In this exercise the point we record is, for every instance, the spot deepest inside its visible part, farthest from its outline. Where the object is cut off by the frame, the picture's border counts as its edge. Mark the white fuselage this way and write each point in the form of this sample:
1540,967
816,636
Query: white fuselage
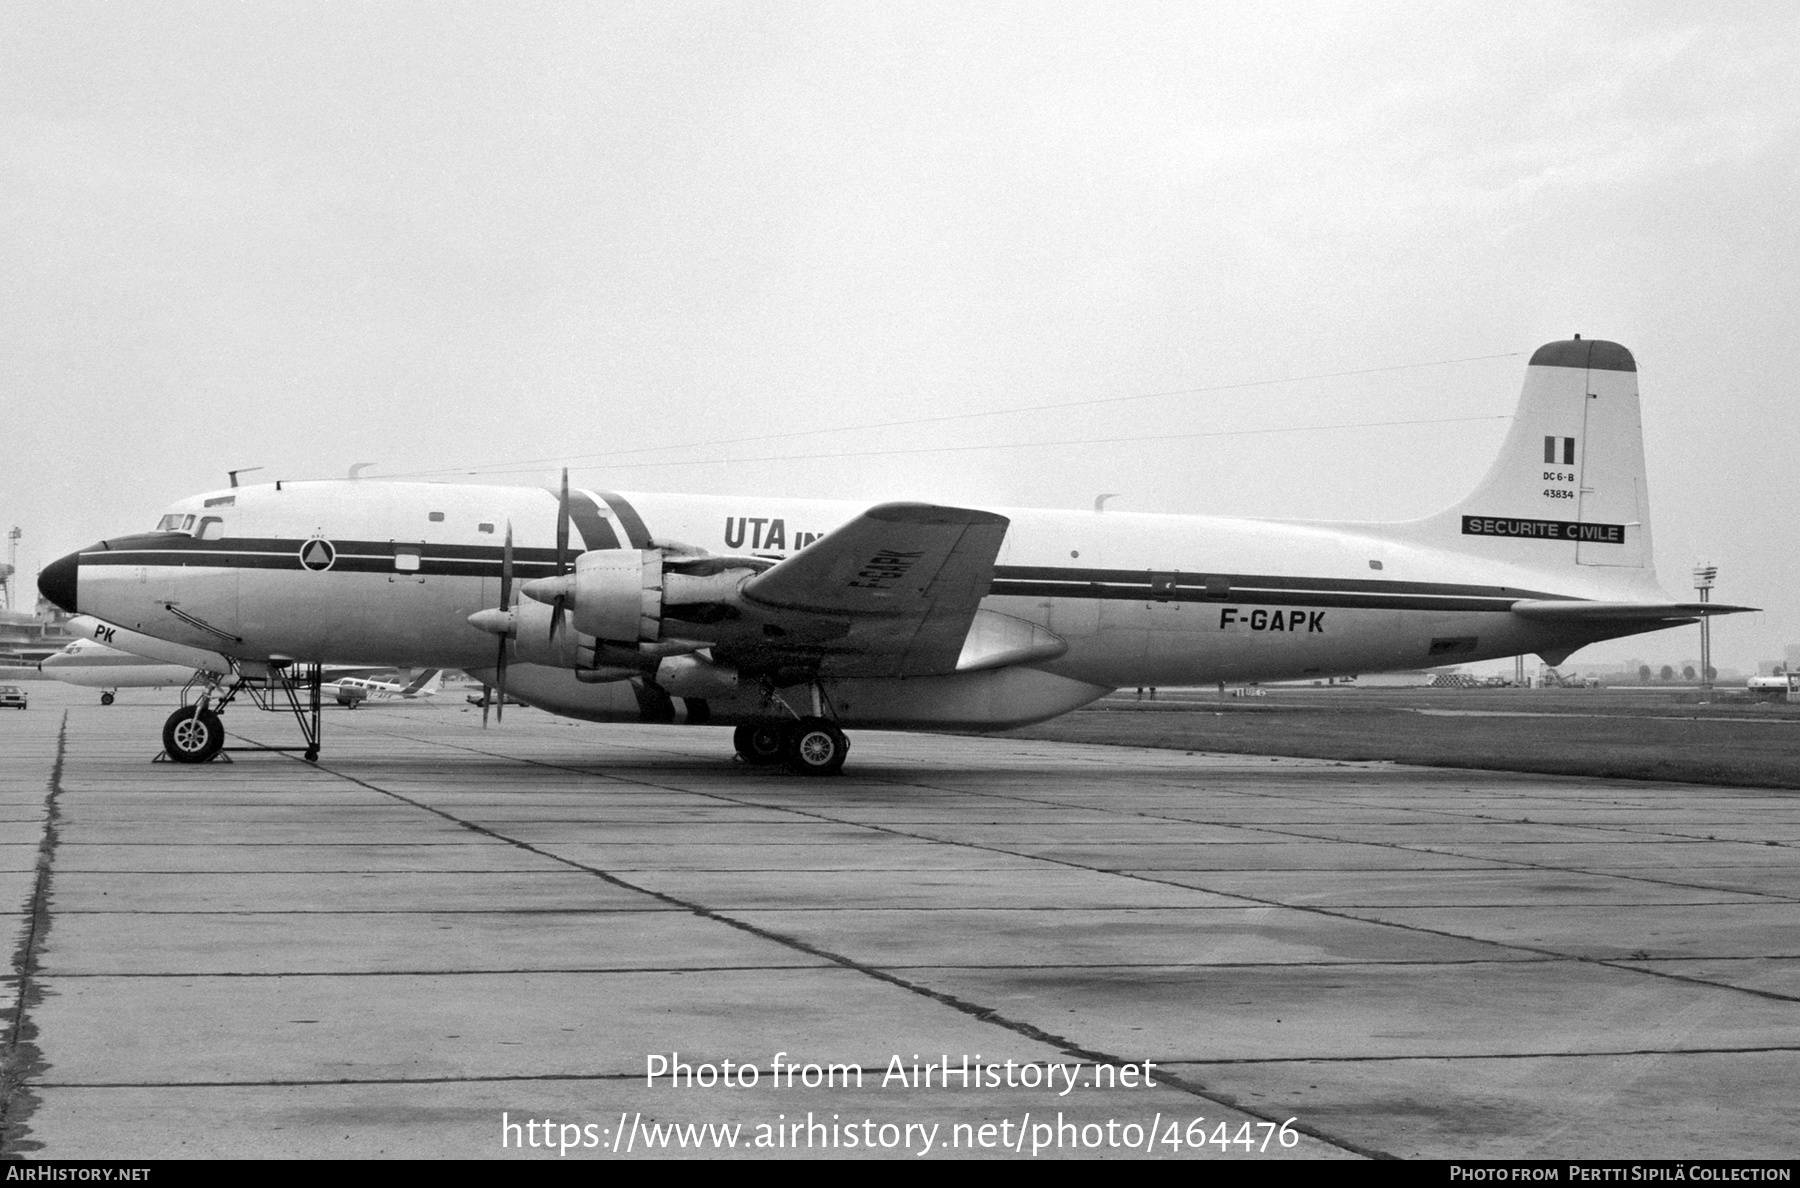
389,573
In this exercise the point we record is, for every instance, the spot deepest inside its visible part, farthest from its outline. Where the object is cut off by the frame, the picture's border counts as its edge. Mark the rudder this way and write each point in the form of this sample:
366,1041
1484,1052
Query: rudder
1568,487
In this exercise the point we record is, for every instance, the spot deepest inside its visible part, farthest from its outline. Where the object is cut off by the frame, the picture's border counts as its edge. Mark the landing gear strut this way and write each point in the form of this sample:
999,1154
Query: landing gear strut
194,733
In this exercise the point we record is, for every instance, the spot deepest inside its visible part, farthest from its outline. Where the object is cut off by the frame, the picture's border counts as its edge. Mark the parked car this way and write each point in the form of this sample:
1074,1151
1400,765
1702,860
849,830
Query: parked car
12,696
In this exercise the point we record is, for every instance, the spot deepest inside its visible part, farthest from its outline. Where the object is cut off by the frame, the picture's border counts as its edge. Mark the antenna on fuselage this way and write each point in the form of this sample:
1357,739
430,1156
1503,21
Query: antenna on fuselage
356,471
1100,501
240,470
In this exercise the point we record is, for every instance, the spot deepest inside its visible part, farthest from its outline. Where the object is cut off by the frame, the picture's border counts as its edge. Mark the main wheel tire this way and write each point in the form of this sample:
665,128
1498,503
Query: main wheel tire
814,747
106,699
191,736
758,743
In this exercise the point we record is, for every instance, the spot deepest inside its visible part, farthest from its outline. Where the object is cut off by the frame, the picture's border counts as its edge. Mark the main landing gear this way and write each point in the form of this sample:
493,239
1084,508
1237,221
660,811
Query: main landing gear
808,746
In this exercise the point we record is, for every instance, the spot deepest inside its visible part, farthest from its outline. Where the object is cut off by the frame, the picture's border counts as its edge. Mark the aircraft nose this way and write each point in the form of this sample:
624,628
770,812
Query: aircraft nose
58,579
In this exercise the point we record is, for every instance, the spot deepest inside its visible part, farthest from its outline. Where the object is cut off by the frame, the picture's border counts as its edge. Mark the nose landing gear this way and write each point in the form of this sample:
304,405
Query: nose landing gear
193,735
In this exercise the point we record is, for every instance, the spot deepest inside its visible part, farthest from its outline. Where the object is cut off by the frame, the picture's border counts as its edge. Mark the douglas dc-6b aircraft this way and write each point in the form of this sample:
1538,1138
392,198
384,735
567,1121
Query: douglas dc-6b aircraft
793,619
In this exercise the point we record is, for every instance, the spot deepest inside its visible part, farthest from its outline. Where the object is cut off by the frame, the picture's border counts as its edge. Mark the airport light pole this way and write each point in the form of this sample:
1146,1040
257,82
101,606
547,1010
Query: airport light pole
1703,582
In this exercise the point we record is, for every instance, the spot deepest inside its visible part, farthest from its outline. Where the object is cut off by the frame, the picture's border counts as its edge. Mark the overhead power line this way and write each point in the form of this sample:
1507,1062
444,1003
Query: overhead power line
1021,445
523,465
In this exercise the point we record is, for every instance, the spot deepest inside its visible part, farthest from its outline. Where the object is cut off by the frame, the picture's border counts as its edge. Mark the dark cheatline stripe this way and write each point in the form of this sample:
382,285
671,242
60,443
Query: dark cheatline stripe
1256,581
654,703
1248,597
584,513
1031,581
635,532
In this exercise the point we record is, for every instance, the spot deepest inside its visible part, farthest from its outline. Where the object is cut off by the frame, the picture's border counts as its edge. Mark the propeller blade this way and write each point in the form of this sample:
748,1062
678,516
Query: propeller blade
500,684
562,527
487,699
506,570
506,579
562,553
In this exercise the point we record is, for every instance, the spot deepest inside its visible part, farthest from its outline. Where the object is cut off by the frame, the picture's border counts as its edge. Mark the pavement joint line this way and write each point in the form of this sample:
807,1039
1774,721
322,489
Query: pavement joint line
1272,828
956,1003
1319,966
1259,1061
1314,909
909,908
22,1057
585,971
1597,1054
345,1082
364,911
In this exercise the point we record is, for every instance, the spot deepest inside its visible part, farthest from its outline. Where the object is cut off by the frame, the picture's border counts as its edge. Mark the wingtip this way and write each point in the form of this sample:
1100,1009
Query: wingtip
932,513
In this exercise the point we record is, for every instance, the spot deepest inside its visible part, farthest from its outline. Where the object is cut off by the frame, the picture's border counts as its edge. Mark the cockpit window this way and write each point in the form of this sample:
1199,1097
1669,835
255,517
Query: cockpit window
211,528
175,522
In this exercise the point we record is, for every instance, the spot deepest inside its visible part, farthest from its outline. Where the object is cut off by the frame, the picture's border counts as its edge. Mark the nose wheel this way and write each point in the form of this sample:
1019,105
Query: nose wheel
193,735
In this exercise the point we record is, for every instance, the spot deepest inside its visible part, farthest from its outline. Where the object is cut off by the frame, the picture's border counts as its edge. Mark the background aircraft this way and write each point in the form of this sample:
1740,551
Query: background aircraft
92,664
353,691
133,660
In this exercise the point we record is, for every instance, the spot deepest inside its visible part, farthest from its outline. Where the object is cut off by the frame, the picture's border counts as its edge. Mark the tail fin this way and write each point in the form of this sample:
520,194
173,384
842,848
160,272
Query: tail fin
425,684
1568,487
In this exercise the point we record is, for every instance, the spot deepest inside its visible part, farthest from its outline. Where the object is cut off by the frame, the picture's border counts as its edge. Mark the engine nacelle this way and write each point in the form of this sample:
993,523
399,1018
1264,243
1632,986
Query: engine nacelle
619,596
616,594
692,677
534,643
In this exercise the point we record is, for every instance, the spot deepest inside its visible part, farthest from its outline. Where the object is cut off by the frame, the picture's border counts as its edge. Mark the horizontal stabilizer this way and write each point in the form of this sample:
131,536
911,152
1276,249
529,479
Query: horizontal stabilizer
1577,611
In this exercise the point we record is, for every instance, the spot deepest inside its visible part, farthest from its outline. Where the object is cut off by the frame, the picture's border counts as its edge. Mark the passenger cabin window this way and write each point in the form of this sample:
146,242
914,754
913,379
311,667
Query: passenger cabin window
436,517
211,528
484,527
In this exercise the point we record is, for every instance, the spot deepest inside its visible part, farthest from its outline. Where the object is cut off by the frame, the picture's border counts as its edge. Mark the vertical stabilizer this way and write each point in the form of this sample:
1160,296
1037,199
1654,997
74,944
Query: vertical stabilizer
1568,487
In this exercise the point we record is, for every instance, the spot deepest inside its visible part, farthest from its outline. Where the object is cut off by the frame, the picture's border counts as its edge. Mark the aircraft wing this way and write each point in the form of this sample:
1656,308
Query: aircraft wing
891,593
1581,611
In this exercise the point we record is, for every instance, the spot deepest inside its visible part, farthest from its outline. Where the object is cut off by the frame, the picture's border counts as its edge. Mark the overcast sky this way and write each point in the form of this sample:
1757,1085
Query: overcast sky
496,237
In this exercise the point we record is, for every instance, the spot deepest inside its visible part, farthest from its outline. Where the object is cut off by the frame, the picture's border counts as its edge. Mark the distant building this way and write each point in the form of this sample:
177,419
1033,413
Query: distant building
1416,678
27,638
